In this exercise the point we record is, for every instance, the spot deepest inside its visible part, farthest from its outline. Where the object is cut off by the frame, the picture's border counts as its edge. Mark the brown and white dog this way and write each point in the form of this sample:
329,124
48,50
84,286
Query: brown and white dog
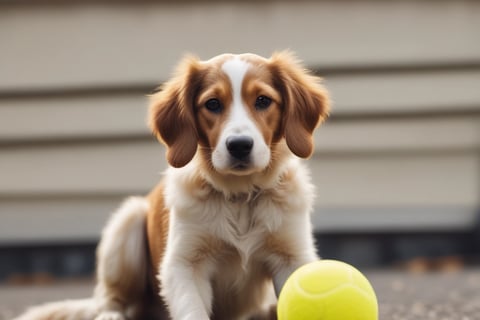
229,221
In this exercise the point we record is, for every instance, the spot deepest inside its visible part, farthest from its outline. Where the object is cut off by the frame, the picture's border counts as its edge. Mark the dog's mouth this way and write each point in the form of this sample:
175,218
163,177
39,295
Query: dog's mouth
241,167
240,164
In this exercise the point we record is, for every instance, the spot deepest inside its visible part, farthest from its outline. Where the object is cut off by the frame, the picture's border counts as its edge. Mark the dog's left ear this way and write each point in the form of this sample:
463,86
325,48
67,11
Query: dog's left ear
171,114
306,102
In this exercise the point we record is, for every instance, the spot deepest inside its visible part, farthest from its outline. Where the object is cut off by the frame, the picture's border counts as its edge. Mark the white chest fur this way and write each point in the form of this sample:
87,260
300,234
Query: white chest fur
243,220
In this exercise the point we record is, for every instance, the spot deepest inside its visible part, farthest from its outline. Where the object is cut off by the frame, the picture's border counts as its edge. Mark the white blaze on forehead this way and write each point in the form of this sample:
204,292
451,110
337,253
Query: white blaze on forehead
238,120
236,70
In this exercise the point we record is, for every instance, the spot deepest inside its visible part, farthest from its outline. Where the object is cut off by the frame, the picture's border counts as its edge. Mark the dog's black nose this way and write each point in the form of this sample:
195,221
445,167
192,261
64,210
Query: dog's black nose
239,146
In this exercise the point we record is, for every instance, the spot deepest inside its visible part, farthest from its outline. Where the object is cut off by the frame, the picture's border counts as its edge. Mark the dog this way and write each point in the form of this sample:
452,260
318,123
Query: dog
230,219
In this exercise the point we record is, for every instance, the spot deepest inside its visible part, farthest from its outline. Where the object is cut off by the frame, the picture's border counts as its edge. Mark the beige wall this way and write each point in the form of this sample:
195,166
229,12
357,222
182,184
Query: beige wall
402,149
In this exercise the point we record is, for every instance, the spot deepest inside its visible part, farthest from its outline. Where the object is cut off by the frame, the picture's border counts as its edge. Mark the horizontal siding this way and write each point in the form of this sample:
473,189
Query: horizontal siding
112,118
401,150
117,114
105,167
82,219
354,193
50,219
397,180
72,117
406,92
397,134
78,45
130,165
344,179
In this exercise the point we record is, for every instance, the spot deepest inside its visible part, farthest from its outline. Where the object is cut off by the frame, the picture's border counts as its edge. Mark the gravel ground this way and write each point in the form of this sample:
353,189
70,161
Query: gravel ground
401,295
431,296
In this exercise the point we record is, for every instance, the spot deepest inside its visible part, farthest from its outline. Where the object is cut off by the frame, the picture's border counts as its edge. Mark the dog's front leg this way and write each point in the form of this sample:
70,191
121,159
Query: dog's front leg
185,277
302,252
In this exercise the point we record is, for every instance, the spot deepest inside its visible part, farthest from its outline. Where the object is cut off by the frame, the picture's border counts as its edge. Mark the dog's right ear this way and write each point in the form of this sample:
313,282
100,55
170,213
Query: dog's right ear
171,114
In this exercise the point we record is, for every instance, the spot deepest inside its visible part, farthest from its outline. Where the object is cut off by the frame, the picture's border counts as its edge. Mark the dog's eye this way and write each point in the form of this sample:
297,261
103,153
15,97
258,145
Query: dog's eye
213,105
263,102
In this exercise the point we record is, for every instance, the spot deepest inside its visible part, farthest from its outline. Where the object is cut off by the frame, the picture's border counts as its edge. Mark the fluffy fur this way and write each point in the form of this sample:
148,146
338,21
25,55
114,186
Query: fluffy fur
229,222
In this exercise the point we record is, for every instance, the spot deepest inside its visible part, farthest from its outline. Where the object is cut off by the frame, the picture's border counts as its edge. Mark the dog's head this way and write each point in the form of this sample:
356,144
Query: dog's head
235,110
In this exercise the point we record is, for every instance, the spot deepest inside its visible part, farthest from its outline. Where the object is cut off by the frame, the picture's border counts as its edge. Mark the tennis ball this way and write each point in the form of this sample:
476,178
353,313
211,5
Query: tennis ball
327,290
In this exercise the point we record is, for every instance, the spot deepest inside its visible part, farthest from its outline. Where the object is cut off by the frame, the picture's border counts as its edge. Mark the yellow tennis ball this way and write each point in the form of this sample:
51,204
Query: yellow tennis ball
327,290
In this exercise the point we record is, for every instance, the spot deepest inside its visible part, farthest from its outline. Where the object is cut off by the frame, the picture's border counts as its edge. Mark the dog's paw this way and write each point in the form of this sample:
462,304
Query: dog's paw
110,315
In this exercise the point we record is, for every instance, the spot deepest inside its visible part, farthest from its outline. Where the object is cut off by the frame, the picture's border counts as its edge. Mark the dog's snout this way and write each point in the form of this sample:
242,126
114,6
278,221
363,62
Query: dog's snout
239,146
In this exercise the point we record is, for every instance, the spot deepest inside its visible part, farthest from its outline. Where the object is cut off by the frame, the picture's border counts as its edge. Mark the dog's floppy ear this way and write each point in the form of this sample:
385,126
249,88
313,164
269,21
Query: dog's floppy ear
305,100
171,113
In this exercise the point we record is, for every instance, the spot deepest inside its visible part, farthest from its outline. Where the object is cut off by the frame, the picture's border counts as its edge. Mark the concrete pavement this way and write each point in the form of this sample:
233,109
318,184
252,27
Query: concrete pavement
401,295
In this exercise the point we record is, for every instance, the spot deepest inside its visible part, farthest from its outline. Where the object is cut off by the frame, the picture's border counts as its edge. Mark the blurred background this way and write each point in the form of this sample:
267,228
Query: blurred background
397,165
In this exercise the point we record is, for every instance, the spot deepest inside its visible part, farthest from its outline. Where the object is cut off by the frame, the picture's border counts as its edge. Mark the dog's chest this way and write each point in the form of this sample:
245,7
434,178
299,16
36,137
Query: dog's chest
244,224
241,219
